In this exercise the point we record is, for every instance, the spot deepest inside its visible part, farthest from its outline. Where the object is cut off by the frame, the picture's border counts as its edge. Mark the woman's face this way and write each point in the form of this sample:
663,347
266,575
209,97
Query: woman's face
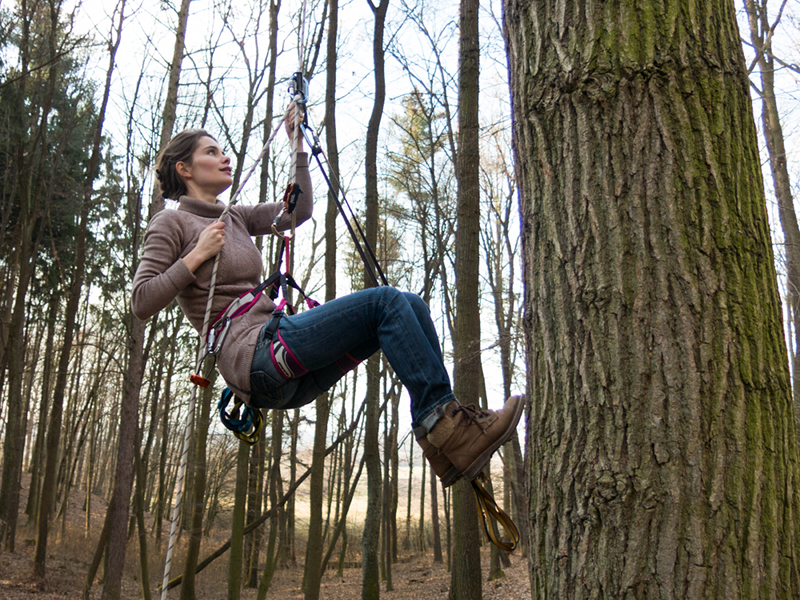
210,170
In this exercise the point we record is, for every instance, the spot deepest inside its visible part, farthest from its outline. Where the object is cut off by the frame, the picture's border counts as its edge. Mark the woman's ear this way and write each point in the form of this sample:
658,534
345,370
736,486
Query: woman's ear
183,169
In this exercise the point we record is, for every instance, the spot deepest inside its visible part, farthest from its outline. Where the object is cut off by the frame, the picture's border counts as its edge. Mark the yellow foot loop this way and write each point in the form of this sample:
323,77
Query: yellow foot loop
492,515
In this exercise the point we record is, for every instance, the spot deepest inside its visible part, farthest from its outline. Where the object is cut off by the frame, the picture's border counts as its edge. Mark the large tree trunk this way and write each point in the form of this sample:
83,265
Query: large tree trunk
466,574
663,450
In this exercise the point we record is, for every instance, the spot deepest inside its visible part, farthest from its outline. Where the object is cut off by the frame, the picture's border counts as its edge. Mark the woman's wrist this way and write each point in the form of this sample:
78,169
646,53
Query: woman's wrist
194,259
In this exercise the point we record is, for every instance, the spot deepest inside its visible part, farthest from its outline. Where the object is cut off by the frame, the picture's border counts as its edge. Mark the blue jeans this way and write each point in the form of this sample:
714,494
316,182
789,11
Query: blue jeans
359,324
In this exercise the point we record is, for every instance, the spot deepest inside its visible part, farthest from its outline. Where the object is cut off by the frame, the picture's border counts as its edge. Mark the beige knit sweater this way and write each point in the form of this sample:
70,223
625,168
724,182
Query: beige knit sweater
162,276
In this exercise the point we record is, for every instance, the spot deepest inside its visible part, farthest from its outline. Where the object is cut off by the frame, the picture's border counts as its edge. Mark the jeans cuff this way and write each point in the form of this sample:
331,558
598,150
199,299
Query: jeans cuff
436,413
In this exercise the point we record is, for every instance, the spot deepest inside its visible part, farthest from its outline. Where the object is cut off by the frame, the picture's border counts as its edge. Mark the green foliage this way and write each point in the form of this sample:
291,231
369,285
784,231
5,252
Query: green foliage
47,119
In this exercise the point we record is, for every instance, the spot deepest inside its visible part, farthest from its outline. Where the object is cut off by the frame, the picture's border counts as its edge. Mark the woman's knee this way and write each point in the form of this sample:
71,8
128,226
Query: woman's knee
417,305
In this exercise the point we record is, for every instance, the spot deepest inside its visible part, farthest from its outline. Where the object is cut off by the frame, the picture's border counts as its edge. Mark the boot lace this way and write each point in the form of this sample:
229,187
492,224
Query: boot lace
474,415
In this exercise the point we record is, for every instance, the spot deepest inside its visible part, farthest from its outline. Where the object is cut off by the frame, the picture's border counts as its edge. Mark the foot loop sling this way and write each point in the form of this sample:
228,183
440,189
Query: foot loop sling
491,514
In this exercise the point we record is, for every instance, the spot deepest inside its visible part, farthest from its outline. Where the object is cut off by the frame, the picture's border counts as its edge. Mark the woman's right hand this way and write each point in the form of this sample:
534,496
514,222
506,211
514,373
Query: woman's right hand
209,244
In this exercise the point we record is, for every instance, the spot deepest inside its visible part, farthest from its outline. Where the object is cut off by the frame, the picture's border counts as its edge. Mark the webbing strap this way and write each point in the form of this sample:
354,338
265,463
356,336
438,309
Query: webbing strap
492,515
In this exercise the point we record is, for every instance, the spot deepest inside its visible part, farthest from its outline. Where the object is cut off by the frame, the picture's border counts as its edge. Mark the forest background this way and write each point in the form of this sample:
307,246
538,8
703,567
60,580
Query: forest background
89,93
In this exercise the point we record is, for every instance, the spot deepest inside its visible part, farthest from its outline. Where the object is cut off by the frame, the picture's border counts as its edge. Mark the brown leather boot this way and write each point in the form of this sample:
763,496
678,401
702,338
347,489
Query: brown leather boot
468,436
440,464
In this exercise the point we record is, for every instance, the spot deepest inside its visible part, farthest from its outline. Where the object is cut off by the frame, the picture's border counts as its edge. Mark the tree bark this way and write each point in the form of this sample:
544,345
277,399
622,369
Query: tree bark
370,541
312,575
237,529
466,574
663,452
198,491
169,113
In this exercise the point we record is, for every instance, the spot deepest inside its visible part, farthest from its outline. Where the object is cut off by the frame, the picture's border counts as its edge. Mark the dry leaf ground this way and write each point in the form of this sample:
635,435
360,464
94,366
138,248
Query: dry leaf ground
415,577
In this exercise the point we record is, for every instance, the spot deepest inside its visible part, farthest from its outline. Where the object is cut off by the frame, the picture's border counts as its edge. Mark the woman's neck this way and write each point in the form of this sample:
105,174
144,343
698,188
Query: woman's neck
201,194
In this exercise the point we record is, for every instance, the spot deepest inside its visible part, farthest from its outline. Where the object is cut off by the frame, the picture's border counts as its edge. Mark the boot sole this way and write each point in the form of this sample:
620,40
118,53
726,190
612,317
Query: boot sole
450,477
479,463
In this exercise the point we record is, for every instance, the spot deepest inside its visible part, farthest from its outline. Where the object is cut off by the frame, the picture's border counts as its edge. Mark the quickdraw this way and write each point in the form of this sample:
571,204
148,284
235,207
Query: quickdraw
245,422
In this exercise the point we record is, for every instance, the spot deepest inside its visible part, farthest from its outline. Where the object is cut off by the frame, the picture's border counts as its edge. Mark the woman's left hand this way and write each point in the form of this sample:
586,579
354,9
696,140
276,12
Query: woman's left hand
294,114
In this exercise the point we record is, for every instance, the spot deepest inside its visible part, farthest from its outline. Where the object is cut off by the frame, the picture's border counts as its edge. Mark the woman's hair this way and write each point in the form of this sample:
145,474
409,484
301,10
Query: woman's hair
179,149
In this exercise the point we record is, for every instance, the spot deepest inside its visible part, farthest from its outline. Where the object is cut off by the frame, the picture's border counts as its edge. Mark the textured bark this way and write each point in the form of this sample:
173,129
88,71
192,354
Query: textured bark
123,482
255,490
370,540
437,537
194,500
421,527
312,575
466,574
663,450
273,554
332,146
144,568
237,528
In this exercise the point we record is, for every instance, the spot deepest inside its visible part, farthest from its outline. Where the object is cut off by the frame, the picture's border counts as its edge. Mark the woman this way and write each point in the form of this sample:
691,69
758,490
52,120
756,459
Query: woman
311,350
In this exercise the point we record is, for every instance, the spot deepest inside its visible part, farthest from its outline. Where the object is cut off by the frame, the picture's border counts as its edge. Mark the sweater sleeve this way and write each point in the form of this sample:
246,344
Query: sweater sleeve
161,273
259,218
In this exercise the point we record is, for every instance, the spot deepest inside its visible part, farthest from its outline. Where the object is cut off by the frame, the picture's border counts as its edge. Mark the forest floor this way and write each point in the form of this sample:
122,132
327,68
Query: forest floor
414,576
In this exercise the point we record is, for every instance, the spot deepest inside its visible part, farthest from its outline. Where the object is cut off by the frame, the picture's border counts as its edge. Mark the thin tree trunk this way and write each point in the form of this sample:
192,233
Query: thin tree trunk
37,461
370,541
164,449
421,545
255,551
73,299
188,591
237,530
312,576
139,502
386,556
408,501
273,553
466,573
437,540
169,113
340,527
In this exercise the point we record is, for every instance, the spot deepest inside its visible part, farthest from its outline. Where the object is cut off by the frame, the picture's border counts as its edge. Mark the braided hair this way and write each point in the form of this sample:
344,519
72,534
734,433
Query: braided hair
179,149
